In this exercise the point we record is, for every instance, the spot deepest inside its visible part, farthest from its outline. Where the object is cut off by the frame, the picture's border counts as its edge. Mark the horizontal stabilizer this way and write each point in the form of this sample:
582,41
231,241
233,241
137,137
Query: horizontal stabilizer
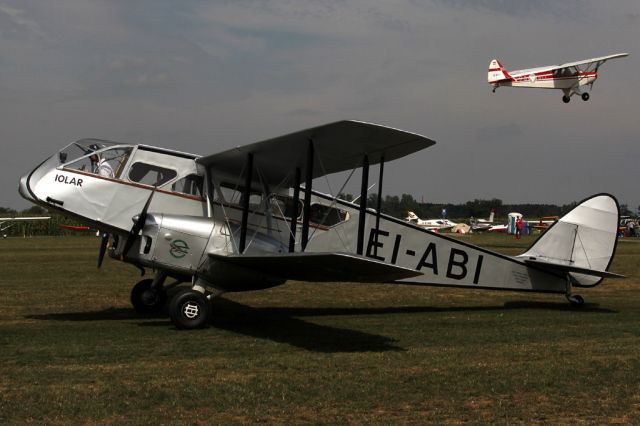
320,267
563,268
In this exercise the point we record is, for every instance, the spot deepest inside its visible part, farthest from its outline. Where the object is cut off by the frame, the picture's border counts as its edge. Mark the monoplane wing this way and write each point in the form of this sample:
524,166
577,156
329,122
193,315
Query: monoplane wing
337,147
598,61
320,267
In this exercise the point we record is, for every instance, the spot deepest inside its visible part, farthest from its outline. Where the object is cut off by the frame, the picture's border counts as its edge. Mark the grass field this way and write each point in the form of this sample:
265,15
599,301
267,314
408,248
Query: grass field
73,351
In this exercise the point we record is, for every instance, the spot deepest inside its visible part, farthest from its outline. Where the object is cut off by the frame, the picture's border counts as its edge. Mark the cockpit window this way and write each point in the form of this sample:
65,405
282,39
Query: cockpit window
191,185
82,148
108,163
327,216
150,174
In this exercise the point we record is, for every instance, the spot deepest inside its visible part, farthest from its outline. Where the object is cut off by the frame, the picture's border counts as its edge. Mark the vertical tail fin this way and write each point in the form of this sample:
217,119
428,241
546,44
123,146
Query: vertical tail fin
585,238
497,72
492,215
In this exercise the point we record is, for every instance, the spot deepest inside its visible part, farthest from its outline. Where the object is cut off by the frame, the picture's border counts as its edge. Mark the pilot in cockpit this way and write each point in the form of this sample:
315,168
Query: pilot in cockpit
100,166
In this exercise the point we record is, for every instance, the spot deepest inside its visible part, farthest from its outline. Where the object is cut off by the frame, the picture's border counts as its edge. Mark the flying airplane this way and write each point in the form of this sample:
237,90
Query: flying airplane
12,221
248,218
569,77
430,224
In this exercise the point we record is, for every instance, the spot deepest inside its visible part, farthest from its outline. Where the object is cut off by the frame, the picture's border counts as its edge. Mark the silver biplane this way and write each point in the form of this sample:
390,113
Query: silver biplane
249,218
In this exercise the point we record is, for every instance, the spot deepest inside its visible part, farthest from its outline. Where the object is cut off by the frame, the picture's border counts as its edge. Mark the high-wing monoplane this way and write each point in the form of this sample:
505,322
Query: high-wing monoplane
569,77
249,218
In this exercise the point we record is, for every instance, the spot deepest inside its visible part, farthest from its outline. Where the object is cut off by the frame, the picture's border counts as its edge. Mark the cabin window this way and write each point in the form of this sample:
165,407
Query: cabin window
326,216
190,185
108,163
232,194
281,205
150,174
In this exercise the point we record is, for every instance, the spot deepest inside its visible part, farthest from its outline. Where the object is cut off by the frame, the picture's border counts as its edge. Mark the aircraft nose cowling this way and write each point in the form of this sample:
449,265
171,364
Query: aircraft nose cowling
23,189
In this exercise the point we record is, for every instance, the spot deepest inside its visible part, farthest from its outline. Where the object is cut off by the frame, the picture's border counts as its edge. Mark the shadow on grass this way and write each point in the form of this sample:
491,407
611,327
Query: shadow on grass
283,325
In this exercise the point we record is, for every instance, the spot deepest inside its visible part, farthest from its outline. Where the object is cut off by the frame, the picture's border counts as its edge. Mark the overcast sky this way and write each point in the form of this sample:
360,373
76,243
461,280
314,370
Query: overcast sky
204,76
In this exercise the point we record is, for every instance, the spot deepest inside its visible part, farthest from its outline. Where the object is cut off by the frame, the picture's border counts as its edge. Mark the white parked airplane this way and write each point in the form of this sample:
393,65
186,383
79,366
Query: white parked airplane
430,224
248,219
569,77
479,225
12,221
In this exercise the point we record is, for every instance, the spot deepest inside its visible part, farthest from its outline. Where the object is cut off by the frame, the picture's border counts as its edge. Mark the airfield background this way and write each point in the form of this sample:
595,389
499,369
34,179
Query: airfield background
396,206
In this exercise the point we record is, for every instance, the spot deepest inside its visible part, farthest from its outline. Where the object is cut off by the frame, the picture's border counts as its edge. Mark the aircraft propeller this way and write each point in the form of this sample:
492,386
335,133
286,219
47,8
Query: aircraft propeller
137,226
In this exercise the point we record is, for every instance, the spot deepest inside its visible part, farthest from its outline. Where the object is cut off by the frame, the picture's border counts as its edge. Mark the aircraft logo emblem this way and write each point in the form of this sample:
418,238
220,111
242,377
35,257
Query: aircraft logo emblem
179,249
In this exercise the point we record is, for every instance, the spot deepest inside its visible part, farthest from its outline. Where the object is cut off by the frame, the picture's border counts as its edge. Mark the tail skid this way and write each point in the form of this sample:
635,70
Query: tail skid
581,244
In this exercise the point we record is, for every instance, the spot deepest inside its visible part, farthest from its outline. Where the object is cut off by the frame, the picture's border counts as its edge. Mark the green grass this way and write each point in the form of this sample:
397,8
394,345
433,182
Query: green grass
73,351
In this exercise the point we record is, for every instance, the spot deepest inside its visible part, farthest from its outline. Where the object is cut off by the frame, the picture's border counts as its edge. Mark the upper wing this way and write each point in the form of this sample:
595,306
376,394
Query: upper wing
337,147
320,267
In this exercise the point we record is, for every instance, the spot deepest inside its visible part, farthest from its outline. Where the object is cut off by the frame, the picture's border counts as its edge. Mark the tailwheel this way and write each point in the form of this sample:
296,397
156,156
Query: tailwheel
189,309
575,300
566,99
146,299
585,96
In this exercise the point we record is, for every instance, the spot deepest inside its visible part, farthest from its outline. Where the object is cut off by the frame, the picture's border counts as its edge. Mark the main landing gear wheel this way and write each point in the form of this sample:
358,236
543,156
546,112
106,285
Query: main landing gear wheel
566,99
189,309
147,300
585,96
575,300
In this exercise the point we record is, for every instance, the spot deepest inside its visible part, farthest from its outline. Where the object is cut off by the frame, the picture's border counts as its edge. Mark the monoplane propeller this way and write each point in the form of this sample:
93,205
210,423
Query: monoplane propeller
138,224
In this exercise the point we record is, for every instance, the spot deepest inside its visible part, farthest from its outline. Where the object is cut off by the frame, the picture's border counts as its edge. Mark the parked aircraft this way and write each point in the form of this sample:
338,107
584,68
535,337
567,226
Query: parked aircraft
248,218
430,224
479,225
12,221
569,77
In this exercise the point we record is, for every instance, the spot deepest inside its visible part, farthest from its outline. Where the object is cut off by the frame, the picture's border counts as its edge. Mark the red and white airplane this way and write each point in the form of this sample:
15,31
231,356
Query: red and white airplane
569,77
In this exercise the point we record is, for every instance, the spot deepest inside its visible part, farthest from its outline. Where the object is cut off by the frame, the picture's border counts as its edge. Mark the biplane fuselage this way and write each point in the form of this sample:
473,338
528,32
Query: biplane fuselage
248,219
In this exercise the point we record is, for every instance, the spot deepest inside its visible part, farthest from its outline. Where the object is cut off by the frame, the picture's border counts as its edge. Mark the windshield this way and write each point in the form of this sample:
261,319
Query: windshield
81,148
107,163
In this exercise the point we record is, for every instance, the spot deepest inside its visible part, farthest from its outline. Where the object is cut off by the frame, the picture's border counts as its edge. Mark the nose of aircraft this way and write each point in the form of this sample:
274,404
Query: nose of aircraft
23,188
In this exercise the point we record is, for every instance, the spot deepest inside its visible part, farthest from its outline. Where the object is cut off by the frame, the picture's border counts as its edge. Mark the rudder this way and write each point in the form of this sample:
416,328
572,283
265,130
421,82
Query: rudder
583,238
496,72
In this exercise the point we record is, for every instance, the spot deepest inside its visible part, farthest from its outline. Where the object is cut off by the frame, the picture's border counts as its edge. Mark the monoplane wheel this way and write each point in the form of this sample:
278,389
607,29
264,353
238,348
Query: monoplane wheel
566,99
585,96
189,309
147,300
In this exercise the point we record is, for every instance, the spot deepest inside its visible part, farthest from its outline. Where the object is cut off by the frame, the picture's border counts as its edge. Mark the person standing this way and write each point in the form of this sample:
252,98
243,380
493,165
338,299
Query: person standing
518,227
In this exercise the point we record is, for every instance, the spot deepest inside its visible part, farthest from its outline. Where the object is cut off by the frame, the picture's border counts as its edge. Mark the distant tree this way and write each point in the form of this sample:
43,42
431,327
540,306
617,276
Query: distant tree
624,210
6,211
34,210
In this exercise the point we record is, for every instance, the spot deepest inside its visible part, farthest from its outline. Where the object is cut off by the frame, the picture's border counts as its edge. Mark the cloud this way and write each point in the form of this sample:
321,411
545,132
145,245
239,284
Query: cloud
19,23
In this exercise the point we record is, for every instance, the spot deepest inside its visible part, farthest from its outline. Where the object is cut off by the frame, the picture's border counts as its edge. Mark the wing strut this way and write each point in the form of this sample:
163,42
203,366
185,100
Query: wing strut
379,205
308,180
363,203
245,202
294,215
